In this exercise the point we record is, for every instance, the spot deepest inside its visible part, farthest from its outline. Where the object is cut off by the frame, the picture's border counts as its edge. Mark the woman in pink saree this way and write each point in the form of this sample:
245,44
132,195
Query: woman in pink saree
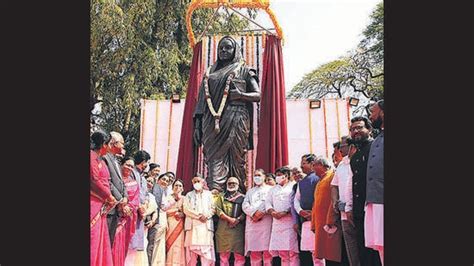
175,234
128,219
101,200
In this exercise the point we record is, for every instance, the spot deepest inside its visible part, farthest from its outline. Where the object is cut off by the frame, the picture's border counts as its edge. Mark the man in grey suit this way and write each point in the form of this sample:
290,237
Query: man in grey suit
117,186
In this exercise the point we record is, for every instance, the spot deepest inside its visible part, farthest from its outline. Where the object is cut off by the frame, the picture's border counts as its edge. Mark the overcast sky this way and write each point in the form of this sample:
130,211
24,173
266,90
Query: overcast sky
317,31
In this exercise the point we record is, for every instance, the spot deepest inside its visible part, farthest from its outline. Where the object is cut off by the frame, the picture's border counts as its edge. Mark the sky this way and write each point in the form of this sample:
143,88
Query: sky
317,31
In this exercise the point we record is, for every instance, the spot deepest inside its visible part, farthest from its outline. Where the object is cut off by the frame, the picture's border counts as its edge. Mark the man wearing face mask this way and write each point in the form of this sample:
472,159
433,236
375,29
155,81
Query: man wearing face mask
360,130
303,203
258,225
231,225
283,239
199,209
375,179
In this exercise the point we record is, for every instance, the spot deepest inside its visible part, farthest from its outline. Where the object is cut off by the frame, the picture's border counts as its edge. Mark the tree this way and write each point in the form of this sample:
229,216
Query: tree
139,49
357,74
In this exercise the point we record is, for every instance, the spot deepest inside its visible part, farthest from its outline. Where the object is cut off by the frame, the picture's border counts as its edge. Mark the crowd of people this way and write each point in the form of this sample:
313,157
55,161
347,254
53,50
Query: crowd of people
323,212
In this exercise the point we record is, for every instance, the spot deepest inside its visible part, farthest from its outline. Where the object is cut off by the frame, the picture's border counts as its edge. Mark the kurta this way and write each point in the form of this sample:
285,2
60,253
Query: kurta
304,200
257,234
327,246
175,254
283,236
230,239
198,235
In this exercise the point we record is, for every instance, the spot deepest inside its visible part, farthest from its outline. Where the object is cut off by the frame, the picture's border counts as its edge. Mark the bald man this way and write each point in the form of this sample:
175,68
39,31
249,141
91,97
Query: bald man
117,187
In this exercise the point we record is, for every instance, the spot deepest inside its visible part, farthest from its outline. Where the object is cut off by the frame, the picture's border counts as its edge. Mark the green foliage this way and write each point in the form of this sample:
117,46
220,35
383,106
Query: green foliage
357,74
373,35
139,49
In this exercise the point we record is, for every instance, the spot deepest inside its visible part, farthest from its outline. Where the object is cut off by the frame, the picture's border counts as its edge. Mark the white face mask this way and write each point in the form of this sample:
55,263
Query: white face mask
279,179
232,189
258,180
197,186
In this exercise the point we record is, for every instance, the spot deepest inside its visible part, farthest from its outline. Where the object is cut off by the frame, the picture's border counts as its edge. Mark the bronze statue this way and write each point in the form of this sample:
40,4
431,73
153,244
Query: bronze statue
223,117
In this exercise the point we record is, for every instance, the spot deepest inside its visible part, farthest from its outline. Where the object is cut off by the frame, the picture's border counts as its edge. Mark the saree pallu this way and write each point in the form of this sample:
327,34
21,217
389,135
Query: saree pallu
101,253
125,230
175,241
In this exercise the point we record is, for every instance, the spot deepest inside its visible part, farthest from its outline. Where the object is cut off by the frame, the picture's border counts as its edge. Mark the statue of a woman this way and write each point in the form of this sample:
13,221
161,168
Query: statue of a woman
223,117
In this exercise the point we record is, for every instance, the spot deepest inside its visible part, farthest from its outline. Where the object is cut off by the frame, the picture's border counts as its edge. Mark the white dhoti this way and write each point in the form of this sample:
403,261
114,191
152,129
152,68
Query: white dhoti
199,240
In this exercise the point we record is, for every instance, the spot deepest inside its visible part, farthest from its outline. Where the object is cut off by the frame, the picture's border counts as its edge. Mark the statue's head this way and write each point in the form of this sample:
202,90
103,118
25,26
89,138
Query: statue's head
228,50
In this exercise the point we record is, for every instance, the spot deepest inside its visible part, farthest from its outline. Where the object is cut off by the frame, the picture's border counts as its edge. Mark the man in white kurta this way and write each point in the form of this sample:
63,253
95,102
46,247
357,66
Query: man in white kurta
259,224
283,239
198,226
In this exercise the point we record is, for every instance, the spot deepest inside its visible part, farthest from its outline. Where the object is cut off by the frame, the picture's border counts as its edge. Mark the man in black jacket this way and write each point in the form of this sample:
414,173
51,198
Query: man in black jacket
117,186
361,130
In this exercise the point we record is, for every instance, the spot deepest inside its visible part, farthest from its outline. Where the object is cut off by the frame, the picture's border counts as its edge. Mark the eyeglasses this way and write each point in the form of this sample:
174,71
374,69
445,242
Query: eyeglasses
358,128
232,183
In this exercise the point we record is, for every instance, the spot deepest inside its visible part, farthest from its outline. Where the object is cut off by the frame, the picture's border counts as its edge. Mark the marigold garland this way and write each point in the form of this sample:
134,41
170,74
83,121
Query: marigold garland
261,4
217,115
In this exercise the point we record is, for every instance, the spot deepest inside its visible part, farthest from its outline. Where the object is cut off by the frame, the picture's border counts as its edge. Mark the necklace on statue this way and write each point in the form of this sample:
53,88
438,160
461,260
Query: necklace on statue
217,115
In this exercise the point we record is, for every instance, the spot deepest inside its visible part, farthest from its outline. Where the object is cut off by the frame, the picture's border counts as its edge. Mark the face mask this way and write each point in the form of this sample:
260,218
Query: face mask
258,180
197,186
232,189
279,179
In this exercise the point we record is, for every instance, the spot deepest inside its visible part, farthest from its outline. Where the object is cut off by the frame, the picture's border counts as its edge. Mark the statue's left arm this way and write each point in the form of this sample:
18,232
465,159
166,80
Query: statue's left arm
252,89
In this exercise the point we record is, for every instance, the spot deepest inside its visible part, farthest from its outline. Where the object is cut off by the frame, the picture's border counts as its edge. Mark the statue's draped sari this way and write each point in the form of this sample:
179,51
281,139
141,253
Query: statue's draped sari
225,151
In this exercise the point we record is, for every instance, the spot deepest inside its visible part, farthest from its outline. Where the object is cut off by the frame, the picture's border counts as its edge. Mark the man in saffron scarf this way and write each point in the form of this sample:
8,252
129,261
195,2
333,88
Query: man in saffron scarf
127,223
173,204
101,200
324,219
223,117
231,225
